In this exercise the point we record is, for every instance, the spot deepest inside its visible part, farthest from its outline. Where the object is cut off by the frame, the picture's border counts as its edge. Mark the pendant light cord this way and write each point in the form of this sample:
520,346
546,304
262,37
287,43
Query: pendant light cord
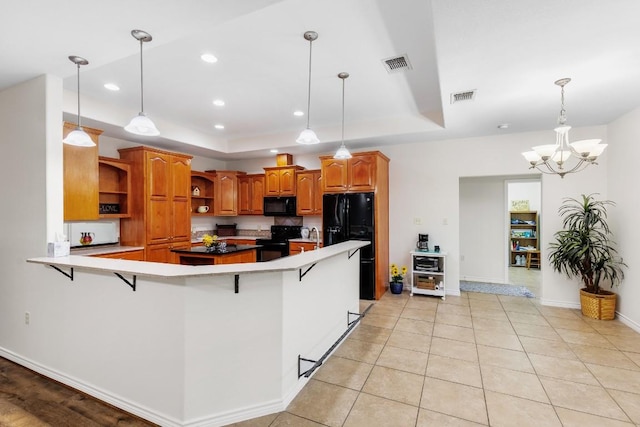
141,81
78,66
343,111
309,90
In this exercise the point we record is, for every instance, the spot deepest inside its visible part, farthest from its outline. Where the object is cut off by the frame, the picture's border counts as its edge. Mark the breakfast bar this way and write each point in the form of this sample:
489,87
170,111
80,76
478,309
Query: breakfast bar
195,345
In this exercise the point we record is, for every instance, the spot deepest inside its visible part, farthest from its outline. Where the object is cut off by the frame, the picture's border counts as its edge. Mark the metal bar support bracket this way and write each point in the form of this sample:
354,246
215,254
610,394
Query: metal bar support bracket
131,284
236,283
353,253
306,271
69,275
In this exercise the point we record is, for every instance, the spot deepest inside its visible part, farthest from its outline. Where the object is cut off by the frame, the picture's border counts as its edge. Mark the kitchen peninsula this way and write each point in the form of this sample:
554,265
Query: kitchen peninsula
194,345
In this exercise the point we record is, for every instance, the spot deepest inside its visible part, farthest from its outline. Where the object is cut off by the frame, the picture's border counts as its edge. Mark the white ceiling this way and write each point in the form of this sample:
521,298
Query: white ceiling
510,51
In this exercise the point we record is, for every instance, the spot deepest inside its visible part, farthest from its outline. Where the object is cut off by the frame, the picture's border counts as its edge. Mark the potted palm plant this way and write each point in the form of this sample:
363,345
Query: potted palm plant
584,249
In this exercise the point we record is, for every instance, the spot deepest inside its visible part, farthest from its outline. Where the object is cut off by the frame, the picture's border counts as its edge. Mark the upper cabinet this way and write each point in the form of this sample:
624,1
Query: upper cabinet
202,193
309,192
357,174
114,188
81,182
281,180
251,194
226,192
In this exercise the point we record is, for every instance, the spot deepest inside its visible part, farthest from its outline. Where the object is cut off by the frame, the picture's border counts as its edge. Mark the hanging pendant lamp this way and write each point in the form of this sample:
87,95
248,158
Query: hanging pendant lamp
307,136
141,124
78,136
342,152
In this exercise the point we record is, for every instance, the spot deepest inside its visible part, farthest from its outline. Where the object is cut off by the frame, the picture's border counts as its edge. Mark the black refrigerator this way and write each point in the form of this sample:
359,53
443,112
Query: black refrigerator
350,217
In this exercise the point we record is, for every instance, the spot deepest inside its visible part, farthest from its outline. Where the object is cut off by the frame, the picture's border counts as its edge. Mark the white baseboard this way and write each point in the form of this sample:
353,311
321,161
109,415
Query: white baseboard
89,389
630,323
563,304
498,280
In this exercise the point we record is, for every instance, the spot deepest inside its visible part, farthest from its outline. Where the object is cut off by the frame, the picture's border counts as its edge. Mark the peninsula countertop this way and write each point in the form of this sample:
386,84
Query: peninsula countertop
164,270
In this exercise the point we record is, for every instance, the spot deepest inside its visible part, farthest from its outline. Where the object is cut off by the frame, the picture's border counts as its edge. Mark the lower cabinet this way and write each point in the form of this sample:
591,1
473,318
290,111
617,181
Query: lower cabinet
299,247
137,255
162,252
217,259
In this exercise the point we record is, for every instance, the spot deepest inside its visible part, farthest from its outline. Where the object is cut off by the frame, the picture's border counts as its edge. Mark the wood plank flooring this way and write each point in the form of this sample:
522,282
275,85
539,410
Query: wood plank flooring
28,399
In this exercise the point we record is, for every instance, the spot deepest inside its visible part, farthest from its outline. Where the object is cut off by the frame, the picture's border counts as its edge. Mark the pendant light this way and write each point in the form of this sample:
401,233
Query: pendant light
78,136
342,152
308,136
141,124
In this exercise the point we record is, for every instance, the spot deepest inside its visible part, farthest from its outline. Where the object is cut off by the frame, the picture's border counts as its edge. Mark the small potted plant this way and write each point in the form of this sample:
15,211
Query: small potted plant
210,242
397,279
584,249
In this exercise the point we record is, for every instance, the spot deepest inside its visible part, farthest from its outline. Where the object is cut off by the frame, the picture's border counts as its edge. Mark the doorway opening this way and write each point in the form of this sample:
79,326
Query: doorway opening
485,230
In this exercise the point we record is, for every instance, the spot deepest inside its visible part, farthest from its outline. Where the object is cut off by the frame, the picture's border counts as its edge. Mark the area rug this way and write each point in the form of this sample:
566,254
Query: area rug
496,288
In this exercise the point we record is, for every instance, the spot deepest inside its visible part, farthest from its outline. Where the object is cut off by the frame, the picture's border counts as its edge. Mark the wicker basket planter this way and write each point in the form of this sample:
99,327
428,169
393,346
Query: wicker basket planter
598,306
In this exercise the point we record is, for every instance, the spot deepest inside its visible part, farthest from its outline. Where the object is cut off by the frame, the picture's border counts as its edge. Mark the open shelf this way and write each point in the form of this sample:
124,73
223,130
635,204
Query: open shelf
114,187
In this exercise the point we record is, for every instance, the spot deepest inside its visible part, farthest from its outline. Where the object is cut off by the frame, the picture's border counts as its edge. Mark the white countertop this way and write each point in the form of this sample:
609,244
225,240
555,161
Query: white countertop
164,270
307,240
103,250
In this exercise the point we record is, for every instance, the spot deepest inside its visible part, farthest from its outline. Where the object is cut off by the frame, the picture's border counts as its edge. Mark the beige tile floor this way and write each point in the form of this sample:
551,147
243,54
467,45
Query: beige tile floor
530,278
472,360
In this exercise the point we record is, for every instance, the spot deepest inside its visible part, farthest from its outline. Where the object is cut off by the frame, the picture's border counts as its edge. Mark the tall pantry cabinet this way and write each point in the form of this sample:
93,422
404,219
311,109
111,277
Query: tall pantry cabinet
161,207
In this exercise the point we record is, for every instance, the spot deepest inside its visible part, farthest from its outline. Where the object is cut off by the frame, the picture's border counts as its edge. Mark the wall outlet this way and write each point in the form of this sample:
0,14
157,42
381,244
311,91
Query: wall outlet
27,317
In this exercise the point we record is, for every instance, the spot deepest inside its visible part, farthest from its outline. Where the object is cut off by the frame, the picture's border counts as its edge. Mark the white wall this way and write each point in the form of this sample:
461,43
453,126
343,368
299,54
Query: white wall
624,152
482,229
524,190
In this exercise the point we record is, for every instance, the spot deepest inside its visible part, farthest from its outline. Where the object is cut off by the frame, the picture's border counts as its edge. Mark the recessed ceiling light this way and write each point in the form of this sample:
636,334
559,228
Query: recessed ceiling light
207,57
112,86
219,126
503,126
218,102
273,150
298,113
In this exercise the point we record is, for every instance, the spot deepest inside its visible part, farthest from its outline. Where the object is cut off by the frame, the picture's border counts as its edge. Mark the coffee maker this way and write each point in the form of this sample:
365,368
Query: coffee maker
423,242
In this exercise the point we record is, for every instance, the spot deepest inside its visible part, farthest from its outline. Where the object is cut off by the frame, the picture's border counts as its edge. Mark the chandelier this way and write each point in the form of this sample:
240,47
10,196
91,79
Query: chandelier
563,157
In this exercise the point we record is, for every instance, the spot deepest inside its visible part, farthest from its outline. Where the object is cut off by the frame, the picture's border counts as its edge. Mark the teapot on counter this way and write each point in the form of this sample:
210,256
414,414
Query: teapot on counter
86,238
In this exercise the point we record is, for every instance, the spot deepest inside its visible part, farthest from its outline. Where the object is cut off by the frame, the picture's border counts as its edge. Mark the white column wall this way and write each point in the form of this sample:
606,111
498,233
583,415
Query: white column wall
624,152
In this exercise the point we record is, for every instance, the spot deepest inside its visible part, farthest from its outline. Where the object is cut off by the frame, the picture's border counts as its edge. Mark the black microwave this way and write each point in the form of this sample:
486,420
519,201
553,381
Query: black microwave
279,206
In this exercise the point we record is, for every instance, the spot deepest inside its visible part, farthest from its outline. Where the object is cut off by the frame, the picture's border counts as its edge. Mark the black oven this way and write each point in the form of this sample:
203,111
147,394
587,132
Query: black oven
279,206
278,245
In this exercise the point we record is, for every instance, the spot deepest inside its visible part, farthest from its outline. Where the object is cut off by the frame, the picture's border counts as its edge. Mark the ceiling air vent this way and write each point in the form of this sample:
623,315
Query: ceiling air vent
467,95
397,64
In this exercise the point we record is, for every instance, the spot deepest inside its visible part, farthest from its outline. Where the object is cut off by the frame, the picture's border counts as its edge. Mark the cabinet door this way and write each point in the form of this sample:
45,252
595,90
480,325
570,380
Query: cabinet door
317,177
334,175
272,183
257,195
81,182
287,182
158,253
181,198
226,200
158,175
244,195
305,193
362,172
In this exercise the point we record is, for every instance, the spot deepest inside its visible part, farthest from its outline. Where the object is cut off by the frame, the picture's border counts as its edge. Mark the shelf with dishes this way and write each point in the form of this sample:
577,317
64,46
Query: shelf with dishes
114,187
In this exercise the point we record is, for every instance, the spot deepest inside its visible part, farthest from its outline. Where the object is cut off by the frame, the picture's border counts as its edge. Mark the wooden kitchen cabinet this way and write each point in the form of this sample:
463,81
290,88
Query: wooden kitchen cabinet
137,255
299,247
251,194
80,177
226,192
202,192
309,192
281,180
161,207
357,174
114,188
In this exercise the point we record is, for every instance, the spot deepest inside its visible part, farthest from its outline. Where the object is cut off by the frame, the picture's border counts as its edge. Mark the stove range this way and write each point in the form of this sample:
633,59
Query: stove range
278,245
